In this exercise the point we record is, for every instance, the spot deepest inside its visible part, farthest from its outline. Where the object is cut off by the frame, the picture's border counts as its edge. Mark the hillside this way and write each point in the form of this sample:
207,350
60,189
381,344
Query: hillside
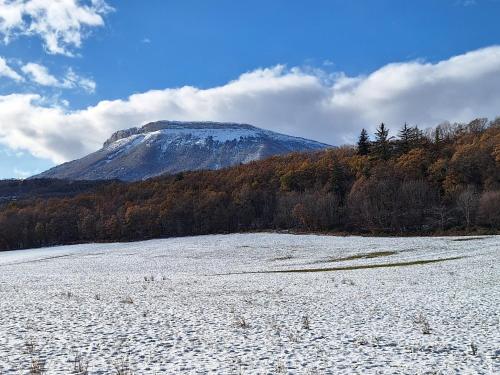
13,190
445,181
172,146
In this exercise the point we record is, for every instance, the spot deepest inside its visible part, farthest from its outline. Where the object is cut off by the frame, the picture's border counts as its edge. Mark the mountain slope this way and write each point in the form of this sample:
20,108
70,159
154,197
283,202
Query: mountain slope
172,146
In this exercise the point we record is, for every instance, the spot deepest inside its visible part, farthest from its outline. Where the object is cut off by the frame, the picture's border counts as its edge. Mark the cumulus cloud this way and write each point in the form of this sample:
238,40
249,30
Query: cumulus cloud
8,72
40,75
61,24
311,104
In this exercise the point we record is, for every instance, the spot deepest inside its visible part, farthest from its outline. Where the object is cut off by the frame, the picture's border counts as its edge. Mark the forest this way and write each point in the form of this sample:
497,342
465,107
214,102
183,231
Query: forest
13,190
444,180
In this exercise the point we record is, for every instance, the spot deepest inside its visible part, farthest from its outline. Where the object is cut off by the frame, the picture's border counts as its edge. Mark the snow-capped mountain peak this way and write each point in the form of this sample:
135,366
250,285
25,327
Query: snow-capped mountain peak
175,146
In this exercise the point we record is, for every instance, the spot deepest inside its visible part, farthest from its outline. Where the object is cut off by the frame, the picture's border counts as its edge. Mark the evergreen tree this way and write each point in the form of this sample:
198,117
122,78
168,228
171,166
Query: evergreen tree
437,135
338,181
382,144
416,137
363,143
404,143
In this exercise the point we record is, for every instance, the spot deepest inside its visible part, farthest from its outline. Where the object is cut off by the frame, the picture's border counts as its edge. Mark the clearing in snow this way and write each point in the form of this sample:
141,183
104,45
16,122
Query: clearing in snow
244,303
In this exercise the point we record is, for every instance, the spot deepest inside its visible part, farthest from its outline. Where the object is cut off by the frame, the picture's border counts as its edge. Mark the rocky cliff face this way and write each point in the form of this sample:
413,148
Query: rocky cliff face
172,146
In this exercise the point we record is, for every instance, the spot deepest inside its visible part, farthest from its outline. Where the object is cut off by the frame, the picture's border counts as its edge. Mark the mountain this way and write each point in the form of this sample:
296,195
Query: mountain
173,146
443,182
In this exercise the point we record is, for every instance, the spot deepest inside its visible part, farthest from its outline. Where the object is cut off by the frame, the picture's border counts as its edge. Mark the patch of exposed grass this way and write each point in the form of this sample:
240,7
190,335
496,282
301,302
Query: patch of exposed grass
469,239
122,367
375,254
127,300
80,365
241,322
36,260
284,257
350,268
423,323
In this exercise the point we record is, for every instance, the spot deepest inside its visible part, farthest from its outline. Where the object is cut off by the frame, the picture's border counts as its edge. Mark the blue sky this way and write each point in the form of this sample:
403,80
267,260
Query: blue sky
294,53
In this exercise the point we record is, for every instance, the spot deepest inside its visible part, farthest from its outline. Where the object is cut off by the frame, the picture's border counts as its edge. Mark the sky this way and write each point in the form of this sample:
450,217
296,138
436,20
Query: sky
72,72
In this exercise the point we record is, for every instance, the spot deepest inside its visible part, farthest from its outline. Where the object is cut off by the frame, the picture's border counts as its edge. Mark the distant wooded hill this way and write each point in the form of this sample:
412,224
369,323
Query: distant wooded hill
443,181
14,190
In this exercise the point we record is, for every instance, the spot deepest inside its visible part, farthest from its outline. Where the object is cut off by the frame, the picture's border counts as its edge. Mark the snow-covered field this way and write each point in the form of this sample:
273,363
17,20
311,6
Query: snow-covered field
208,305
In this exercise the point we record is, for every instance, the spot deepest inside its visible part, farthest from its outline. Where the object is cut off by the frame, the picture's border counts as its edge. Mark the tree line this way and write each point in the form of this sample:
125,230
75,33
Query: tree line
12,190
438,181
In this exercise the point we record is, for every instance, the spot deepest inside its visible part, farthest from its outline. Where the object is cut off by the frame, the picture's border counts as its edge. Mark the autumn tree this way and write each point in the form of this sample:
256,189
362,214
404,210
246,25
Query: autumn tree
413,164
489,209
467,204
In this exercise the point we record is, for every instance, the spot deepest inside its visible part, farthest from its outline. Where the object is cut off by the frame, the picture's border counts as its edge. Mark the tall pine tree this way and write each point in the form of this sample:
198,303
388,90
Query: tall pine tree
404,142
382,145
416,137
363,143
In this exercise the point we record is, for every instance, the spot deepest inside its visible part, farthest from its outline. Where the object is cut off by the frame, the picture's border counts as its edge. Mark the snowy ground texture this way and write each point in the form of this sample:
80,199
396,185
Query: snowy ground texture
204,304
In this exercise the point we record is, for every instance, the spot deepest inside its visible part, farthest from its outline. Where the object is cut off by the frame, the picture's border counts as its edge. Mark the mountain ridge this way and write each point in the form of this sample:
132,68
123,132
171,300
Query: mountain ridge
163,147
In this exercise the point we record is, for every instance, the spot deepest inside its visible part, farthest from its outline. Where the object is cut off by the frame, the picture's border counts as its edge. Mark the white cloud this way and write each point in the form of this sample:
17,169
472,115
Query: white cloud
61,24
467,3
9,153
40,75
329,108
8,72
22,173
73,80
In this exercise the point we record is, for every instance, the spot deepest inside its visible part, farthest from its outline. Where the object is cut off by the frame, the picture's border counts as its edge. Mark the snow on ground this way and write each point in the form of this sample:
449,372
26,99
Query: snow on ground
206,304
